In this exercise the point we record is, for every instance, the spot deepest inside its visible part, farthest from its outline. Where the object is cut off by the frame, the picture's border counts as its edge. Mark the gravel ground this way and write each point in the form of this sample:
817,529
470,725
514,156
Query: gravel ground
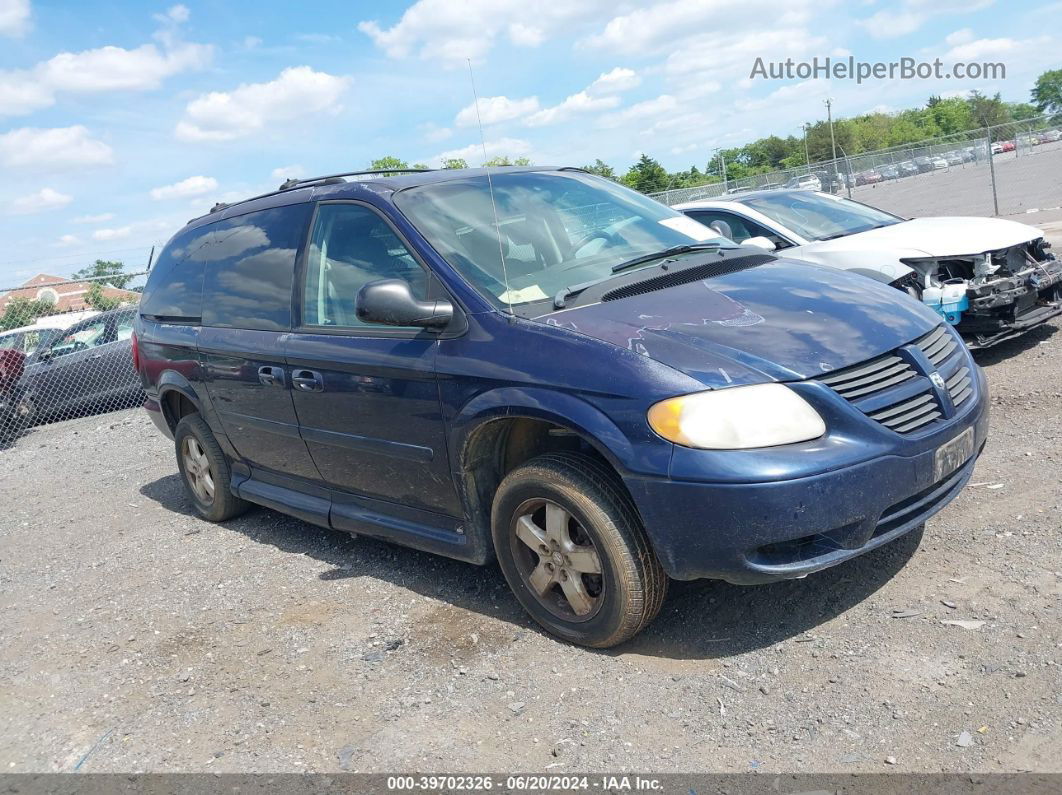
135,637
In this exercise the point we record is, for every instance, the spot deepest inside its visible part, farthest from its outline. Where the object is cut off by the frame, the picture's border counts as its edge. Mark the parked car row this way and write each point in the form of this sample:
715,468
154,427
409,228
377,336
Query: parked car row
62,372
544,368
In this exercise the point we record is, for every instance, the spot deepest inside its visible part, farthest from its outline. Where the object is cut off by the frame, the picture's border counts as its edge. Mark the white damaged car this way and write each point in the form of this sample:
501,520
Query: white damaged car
991,278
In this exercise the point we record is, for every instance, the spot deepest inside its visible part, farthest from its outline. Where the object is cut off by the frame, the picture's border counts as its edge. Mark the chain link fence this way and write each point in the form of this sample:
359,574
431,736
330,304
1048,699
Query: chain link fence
66,350
1008,169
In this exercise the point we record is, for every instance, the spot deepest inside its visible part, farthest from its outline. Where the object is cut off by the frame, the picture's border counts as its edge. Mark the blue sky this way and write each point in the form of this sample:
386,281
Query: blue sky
120,121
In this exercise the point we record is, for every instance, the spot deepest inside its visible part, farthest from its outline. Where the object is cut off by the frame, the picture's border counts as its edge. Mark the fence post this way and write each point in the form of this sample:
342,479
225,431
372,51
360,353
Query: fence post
992,170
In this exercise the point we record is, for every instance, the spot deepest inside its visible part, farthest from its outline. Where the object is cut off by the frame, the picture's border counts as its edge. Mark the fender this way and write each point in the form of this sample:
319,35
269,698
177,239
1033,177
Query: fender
173,381
565,410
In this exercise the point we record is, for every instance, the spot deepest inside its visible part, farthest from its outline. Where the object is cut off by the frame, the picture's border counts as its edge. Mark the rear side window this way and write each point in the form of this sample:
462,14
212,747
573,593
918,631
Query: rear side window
174,290
252,264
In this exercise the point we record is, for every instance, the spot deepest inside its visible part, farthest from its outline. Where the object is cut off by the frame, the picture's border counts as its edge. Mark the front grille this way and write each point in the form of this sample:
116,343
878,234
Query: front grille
892,391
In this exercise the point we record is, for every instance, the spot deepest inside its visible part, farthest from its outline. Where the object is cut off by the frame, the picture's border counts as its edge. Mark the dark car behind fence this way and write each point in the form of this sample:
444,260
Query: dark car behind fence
65,352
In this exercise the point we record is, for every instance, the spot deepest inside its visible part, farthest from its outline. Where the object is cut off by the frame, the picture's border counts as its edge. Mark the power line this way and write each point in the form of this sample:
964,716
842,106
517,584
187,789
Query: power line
75,255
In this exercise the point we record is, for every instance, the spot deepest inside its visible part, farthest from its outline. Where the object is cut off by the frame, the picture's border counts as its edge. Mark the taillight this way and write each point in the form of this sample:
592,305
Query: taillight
136,354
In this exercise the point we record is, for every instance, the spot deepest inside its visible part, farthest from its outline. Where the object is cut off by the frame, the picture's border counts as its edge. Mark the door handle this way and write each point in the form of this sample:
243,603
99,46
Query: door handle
271,376
307,381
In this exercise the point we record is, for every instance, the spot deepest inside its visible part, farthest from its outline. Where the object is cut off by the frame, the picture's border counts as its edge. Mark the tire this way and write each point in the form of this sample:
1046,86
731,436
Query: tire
556,584
198,452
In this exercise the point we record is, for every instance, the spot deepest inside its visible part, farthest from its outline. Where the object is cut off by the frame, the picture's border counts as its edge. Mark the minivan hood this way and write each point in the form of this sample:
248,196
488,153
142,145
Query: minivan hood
781,321
934,237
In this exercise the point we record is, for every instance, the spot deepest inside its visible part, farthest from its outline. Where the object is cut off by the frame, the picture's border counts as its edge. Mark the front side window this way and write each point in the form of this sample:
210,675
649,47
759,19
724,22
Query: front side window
91,335
522,237
351,246
819,217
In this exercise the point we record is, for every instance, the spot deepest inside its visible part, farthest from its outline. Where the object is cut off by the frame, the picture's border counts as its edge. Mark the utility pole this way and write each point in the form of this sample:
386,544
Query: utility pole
722,164
829,118
807,157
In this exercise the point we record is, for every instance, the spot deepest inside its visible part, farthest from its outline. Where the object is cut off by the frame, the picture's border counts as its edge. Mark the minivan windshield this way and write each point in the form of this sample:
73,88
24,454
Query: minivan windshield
815,216
558,230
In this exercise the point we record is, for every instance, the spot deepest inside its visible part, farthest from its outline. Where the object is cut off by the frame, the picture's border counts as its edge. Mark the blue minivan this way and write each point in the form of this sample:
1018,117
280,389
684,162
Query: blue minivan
541,367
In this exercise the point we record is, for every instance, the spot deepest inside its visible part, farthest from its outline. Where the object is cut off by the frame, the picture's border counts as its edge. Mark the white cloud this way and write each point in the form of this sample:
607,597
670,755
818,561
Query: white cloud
990,48
178,15
53,148
118,69
576,103
68,240
959,37
910,15
112,234
288,172
495,109
663,104
94,219
452,32
186,188
619,79
599,95
14,17
473,153
44,199
297,92
251,42
435,133
658,27
94,71
525,35
20,93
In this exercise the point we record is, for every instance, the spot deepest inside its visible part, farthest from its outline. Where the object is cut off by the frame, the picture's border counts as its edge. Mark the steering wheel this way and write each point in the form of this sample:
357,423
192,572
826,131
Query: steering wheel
586,240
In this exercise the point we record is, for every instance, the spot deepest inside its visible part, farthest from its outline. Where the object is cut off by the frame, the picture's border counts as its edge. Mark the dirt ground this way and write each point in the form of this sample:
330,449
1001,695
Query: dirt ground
135,637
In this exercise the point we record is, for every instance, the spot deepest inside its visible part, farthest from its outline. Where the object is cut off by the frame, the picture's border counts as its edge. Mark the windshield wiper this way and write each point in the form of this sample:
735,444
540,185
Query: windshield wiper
566,292
667,252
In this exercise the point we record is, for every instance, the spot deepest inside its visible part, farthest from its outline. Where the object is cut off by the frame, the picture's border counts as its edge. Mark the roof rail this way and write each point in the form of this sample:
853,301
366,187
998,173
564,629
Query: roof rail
332,179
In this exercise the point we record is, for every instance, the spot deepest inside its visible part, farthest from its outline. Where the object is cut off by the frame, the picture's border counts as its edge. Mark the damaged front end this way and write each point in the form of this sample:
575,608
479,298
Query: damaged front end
992,296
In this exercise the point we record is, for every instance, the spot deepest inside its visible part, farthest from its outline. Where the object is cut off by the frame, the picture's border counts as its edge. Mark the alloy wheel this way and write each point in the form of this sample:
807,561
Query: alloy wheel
557,560
197,470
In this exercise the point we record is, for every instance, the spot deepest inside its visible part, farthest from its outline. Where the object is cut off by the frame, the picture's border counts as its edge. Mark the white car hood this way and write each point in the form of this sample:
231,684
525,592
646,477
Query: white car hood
932,237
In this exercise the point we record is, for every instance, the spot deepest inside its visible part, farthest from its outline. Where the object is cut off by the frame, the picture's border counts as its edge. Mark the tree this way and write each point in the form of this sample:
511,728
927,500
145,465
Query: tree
647,176
388,163
1047,93
22,311
601,168
454,162
422,166
97,300
106,271
500,160
987,111
523,161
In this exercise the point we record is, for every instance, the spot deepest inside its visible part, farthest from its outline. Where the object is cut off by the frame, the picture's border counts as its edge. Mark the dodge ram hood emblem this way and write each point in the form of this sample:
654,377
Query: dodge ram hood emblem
938,380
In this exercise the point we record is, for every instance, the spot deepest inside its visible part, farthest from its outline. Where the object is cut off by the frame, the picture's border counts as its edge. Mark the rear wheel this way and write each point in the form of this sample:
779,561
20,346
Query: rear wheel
574,552
205,471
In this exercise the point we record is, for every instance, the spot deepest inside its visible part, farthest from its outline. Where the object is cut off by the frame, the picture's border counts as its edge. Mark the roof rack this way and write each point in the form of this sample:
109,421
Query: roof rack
333,179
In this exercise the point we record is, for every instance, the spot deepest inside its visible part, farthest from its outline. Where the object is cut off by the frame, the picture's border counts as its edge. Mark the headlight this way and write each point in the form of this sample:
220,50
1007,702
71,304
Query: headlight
739,418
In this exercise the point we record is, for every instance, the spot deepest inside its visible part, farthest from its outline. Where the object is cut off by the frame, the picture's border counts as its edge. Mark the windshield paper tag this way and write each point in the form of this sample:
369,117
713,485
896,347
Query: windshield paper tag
532,293
689,227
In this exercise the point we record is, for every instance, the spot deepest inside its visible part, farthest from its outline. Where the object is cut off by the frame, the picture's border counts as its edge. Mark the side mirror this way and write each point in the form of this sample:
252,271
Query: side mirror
760,242
390,302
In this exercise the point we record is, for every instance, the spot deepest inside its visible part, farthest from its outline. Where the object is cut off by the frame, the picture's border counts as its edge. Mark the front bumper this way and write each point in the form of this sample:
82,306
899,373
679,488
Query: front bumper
1008,307
747,533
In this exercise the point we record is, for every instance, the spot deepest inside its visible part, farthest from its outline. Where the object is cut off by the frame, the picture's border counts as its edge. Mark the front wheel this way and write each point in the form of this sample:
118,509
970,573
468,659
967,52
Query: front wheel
572,548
